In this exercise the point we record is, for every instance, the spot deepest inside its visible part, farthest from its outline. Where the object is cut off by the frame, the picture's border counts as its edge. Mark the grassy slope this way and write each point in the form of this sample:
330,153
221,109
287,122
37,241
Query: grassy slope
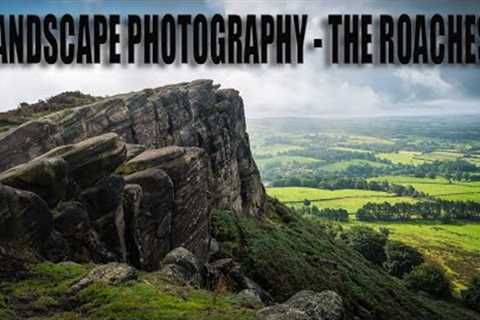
453,246
44,293
286,253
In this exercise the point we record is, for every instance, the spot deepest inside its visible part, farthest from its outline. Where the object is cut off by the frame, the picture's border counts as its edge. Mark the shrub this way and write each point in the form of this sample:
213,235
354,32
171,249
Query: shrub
471,295
430,279
368,242
401,258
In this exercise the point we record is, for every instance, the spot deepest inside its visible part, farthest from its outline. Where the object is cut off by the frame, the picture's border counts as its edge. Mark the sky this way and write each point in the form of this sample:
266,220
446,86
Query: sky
312,89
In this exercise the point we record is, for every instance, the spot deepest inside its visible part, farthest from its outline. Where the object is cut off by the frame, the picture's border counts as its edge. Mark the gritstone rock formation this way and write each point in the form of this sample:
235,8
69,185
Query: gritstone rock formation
127,178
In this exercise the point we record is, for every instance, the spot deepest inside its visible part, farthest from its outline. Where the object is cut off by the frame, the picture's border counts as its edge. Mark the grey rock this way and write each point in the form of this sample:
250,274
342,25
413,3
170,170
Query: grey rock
181,265
112,273
134,150
24,216
92,159
189,171
281,312
104,204
25,226
249,298
148,214
74,223
45,177
214,247
195,114
326,305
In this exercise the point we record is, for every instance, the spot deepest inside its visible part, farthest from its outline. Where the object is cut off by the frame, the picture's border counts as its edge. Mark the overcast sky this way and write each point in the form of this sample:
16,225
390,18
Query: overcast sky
312,89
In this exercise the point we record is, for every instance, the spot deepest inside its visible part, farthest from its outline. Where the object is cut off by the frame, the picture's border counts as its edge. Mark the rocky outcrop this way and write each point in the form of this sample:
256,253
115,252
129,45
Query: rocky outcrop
45,177
195,114
111,273
149,203
189,171
308,305
92,159
182,266
128,178
25,223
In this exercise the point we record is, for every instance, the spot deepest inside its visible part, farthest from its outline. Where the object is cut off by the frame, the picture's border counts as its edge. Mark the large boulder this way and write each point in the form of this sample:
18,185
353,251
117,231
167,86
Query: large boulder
149,206
112,274
24,216
92,159
182,266
326,305
25,226
308,305
194,114
104,204
45,177
226,272
73,222
281,312
189,170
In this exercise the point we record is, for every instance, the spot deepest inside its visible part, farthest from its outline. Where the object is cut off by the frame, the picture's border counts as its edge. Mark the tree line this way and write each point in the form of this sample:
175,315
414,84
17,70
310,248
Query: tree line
327,213
442,210
335,182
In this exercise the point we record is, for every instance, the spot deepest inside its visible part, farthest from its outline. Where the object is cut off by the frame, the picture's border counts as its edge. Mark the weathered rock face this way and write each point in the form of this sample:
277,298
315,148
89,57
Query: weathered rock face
196,114
182,266
128,178
189,171
308,305
149,209
25,224
45,177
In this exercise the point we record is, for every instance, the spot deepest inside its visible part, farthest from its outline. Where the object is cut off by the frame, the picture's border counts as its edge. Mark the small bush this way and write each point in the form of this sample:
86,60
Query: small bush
471,295
430,279
401,258
368,242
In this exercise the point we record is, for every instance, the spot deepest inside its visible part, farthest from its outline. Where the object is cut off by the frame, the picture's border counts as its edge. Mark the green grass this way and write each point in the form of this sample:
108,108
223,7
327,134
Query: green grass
353,204
298,194
343,165
272,150
45,291
360,139
286,253
439,155
453,246
280,160
439,187
349,149
348,199
402,157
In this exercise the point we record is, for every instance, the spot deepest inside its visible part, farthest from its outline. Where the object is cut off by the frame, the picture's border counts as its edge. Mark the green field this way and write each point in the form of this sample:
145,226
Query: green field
454,246
348,199
275,149
410,144
278,160
439,155
439,187
343,165
402,157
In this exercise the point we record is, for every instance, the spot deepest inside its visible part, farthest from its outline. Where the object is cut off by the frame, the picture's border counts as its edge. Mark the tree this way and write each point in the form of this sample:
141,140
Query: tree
430,279
471,295
306,202
368,242
401,258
